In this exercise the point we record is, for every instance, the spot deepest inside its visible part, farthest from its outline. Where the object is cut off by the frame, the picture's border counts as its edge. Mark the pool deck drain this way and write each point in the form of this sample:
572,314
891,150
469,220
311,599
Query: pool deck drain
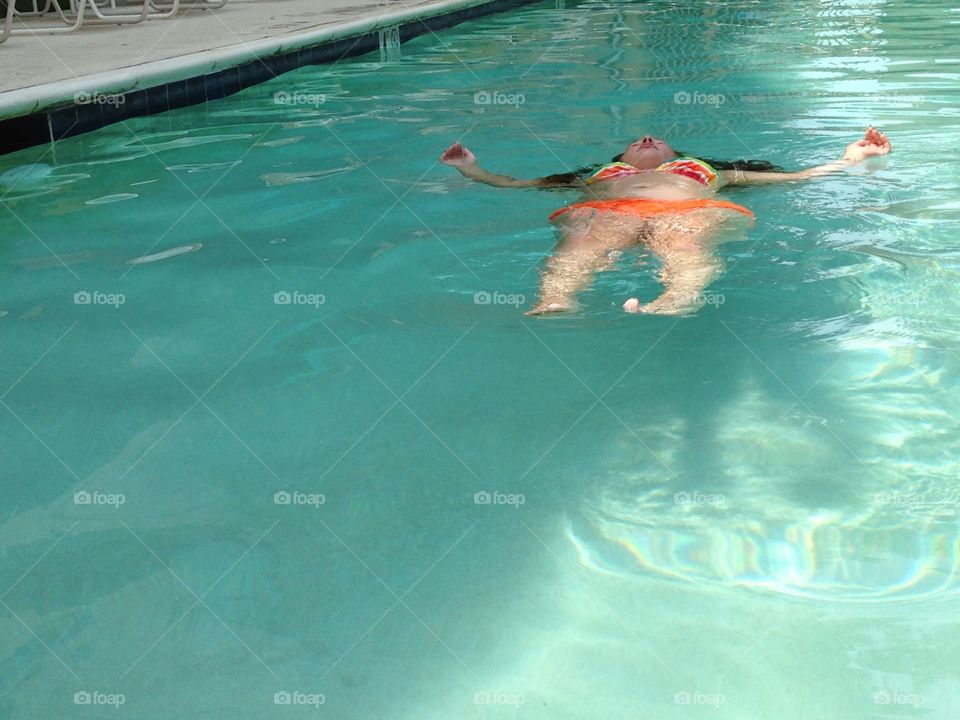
45,74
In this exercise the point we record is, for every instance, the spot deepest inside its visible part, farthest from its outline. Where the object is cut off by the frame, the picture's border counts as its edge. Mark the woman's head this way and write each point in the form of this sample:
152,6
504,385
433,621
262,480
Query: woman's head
647,153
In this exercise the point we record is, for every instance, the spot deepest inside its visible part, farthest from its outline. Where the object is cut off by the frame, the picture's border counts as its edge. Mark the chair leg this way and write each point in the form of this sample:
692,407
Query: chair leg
46,30
36,12
194,4
8,21
161,14
118,18
146,14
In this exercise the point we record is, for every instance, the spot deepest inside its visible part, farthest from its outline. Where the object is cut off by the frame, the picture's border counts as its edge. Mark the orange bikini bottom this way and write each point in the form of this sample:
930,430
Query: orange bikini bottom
642,207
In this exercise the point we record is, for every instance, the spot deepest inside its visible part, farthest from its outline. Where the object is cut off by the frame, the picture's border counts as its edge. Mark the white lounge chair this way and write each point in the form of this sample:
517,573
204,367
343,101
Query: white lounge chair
76,22
75,17
169,9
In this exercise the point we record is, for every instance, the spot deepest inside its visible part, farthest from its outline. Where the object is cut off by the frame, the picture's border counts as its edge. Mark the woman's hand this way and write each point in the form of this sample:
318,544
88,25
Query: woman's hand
458,156
466,162
874,143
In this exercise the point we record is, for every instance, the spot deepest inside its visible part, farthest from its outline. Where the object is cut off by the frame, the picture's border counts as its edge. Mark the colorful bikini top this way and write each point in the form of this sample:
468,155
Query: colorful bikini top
692,168
685,166
613,170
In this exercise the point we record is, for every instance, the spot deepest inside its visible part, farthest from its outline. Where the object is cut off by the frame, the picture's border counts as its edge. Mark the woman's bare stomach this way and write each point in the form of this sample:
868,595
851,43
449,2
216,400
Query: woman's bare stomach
648,185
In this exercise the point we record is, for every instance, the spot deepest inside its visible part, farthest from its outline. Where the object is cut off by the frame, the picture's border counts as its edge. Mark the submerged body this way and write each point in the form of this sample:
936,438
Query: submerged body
652,197
670,209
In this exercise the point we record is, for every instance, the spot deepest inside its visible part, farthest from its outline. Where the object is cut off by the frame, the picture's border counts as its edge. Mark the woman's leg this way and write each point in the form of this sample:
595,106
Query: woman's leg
683,244
587,237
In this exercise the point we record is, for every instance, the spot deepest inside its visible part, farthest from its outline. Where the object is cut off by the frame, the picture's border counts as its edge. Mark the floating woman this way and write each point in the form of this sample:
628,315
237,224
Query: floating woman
652,197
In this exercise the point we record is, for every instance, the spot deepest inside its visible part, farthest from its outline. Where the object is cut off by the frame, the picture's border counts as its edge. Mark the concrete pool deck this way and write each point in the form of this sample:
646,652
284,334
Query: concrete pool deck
45,74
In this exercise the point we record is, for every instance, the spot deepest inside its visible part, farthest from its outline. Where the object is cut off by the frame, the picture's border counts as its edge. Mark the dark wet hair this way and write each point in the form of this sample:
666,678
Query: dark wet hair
571,178
748,165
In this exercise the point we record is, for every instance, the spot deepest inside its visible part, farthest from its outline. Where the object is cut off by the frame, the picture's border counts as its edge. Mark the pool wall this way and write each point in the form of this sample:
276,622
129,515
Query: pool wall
54,111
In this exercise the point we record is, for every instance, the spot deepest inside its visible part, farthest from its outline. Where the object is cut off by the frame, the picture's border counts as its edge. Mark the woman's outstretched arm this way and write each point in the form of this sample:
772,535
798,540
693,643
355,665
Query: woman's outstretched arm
874,143
462,159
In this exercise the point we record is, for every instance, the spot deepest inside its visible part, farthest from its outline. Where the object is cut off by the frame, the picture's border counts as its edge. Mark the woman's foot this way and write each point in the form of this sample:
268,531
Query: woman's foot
544,308
653,308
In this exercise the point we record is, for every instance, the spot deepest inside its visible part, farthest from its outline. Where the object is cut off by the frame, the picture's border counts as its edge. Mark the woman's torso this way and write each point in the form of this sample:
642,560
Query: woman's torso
656,184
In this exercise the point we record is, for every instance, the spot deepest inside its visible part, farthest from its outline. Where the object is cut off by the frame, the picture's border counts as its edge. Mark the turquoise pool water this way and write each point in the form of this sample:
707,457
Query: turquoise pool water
289,463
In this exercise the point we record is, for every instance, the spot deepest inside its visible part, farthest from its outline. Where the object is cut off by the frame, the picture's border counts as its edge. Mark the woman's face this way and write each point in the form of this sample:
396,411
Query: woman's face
647,153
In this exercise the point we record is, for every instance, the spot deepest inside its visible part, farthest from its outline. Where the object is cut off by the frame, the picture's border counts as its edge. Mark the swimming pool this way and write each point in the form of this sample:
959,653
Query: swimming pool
279,440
